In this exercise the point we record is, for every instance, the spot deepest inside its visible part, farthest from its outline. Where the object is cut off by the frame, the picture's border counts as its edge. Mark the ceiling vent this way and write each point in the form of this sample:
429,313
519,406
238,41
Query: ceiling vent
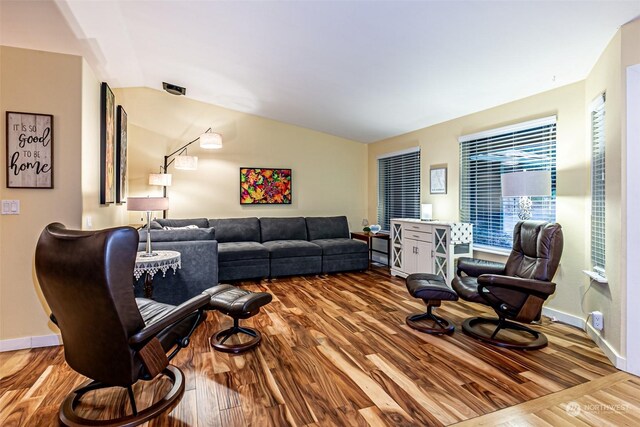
174,89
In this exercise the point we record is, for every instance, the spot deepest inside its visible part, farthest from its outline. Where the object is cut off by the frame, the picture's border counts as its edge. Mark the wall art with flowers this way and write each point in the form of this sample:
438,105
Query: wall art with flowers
265,186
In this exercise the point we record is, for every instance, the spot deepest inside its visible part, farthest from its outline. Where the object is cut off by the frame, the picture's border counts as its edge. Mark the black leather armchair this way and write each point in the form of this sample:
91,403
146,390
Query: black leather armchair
516,290
109,335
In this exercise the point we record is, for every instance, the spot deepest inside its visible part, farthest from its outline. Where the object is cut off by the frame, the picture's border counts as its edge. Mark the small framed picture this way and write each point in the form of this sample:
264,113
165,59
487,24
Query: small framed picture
438,180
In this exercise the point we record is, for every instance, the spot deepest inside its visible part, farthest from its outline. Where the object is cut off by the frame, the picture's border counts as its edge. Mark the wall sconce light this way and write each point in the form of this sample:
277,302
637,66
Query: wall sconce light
524,185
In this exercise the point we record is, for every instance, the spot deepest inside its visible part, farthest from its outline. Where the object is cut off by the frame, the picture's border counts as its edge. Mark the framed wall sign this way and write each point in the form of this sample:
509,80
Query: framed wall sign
29,150
438,180
107,145
121,155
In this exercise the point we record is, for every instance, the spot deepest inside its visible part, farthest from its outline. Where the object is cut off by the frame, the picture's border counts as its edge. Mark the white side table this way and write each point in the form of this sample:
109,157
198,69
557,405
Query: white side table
163,261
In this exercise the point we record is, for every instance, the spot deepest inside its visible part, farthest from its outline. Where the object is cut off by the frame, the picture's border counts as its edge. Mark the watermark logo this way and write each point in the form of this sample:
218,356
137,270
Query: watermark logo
573,409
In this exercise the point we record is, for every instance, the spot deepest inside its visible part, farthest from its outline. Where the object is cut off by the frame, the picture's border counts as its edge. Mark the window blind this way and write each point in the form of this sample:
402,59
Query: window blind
484,157
398,187
598,185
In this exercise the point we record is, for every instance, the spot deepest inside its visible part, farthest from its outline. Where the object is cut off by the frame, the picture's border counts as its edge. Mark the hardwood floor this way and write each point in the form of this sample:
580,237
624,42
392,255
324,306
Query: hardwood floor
336,352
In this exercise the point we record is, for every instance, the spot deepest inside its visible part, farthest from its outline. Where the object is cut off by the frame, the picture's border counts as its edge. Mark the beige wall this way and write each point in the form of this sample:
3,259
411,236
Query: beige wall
630,58
606,77
62,85
439,145
329,173
38,82
609,74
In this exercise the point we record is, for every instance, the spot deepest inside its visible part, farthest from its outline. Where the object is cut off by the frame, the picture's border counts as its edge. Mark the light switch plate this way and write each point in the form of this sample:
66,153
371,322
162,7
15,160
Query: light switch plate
10,207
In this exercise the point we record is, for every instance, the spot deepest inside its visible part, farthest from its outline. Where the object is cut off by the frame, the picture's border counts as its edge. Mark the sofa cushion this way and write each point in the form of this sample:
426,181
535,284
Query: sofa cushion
200,222
341,246
178,235
232,251
292,248
329,227
283,229
236,229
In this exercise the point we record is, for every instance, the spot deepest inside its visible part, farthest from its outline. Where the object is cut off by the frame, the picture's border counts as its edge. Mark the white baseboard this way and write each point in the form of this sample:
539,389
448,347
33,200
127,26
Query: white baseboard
617,360
563,317
30,342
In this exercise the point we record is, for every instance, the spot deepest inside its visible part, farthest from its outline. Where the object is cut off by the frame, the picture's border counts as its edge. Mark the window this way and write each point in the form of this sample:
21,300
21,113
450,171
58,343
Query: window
484,157
597,185
398,186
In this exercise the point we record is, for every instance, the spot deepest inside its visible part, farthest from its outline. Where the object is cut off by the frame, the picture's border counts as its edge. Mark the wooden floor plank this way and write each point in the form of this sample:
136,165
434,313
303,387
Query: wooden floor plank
336,352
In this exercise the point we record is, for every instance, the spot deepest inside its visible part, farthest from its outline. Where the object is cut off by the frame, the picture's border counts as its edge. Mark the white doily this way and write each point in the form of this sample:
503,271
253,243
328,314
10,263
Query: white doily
161,262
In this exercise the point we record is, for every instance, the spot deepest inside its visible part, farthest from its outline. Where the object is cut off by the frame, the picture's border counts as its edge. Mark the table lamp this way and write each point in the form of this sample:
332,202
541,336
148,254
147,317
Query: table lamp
426,212
148,204
524,185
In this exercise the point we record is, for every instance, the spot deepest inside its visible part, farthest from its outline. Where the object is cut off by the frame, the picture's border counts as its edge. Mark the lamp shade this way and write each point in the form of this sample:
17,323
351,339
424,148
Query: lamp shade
211,140
163,179
526,183
186,163
147,204
426,211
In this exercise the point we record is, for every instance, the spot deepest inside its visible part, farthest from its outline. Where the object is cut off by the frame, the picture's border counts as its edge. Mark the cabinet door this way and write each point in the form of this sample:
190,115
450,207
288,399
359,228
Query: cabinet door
397,255
417,256
441,252
409,265
423,257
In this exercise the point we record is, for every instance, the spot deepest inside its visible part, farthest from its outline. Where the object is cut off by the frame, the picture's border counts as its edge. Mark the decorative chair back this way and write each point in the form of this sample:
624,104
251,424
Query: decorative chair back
537,248
87,280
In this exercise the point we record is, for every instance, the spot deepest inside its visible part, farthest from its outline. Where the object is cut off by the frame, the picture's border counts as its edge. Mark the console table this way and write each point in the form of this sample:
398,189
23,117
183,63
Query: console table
150,265
428,246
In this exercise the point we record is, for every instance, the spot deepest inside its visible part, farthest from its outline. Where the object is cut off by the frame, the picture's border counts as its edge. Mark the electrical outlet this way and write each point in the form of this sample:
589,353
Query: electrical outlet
597,320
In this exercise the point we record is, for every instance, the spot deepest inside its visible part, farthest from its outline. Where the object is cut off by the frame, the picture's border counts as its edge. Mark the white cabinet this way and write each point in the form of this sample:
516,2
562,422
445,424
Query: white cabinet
428,246
417,246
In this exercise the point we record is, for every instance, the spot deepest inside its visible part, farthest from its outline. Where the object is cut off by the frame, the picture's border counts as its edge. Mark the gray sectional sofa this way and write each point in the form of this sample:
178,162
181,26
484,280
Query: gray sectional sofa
241,254
251,248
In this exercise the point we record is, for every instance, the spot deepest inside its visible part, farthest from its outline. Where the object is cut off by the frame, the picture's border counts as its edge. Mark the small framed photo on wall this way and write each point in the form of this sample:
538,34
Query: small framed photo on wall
438,179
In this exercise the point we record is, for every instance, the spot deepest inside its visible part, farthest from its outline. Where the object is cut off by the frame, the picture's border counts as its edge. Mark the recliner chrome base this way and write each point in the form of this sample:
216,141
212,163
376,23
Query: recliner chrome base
472,327
69,417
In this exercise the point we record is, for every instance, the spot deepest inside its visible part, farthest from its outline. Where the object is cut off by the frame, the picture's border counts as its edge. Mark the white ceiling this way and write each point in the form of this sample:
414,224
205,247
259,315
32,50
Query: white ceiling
363,70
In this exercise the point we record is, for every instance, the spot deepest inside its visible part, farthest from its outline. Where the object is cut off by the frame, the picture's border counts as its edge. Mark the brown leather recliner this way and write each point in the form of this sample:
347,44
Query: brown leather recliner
109,335
515,290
